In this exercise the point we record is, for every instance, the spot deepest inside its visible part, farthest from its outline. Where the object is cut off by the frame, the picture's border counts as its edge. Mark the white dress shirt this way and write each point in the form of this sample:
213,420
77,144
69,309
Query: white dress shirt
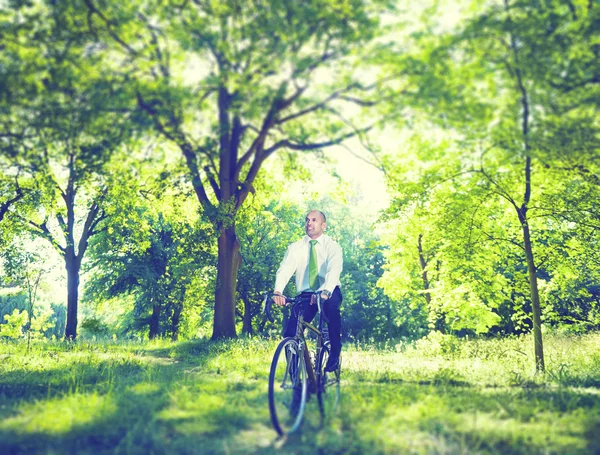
329,262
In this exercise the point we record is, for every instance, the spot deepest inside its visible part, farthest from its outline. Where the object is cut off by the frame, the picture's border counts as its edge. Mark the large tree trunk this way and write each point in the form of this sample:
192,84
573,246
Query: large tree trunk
72,265
228,265
535,296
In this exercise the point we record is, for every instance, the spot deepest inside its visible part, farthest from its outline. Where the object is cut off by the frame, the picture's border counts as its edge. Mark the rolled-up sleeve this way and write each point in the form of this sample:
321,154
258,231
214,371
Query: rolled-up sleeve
286,269
335,262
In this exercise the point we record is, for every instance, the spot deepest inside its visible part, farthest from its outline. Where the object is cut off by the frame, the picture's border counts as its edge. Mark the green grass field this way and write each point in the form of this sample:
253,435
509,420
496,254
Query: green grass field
438,396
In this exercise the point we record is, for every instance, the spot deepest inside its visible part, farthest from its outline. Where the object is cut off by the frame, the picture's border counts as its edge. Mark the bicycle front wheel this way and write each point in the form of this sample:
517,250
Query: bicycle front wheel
328,384
287,387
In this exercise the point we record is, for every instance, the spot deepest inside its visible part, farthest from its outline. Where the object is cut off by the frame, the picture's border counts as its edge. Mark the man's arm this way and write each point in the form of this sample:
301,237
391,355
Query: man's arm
335,264
285,271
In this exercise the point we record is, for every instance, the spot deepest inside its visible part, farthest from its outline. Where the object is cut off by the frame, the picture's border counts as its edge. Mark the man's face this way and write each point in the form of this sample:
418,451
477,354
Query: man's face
314,224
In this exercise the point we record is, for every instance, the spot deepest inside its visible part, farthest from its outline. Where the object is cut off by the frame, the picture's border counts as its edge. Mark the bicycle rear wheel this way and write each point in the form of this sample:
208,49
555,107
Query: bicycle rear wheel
328,388
287,387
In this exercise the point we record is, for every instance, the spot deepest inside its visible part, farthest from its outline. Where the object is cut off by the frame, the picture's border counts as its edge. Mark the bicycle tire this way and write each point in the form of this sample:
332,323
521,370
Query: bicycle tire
328,384
287,387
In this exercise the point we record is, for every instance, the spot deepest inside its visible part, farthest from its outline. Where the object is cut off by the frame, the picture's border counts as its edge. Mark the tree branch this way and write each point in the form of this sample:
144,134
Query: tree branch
95,11
313,146
312,108
192,164
6,205
164,61
93,231
44,232
269,121
213,182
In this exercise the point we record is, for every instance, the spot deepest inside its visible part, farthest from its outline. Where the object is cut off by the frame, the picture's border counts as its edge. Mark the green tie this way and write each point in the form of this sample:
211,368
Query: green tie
313,268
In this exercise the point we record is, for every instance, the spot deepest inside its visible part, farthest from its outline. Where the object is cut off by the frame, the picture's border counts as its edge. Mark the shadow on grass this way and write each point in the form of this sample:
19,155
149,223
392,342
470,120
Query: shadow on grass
23,383
185,351
154,404
442,417
161,417
139,405
200,352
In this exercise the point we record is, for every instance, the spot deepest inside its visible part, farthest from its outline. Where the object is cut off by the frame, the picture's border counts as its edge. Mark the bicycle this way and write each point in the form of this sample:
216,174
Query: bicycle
292,369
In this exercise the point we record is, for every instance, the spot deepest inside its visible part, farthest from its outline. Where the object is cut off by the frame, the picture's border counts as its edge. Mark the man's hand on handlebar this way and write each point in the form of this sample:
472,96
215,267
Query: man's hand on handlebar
279,299
313,298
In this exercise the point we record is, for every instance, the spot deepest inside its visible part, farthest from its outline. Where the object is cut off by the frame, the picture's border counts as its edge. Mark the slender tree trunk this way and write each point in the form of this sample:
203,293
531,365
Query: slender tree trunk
535,295
29,315
229,260
176,318
32,293
247,320
440,321
390,322
154,321
522,211
72,265
69,253
261,325
423,263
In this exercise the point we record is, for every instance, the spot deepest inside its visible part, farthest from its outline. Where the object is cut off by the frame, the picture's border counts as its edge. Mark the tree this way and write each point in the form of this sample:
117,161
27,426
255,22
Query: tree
24,267
156,273
511,35
524,80
263,76
152,251
61,120
447,240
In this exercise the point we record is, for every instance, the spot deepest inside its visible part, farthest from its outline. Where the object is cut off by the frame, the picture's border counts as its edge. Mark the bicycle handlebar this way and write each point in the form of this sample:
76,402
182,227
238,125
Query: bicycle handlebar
268,302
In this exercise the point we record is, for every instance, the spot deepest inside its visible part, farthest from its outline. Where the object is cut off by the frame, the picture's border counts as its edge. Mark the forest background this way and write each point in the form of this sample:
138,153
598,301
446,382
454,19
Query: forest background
482,121
157,158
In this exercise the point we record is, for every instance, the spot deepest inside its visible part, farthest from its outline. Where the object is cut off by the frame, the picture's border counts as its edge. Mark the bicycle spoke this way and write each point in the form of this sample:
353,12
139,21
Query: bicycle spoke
287,387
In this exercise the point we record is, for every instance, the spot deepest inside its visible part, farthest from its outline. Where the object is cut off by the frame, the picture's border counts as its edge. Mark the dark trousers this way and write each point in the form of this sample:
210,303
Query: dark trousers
331,308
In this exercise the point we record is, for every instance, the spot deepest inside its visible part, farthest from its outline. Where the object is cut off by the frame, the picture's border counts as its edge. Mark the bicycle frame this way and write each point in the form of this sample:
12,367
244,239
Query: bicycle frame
300,337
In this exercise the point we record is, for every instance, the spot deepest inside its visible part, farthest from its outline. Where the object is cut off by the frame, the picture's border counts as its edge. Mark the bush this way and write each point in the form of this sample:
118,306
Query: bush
14,324
94,327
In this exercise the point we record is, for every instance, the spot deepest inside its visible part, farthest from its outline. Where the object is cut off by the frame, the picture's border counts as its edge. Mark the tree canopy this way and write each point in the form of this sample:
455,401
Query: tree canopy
168,152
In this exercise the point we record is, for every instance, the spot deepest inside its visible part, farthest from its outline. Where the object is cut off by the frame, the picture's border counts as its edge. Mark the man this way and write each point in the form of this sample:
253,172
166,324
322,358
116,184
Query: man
317,261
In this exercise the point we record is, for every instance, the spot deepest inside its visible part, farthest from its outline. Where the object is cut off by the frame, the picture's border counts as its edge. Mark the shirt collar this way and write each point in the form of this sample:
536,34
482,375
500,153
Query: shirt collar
319,239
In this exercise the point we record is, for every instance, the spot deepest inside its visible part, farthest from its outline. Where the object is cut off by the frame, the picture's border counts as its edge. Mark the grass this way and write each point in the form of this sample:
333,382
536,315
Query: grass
437,396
